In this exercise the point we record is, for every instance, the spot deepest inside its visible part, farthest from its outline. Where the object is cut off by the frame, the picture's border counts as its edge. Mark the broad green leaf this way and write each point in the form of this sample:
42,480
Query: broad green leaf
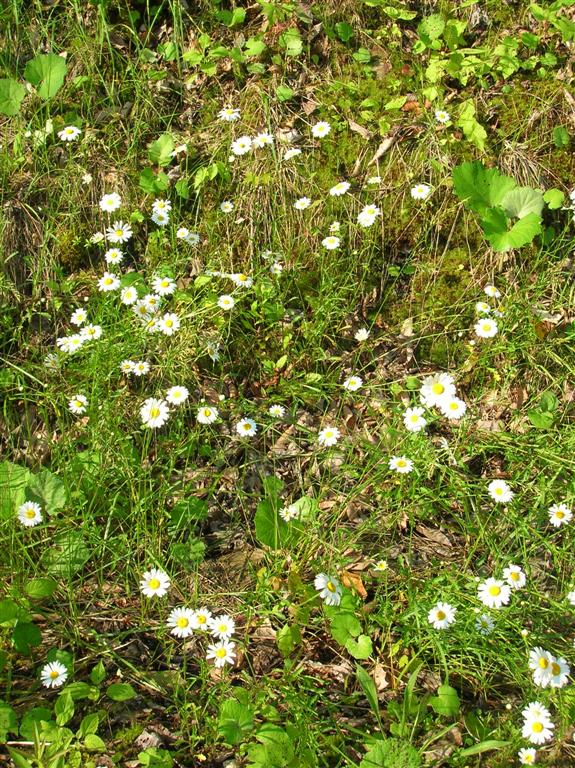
521,201
31,722
473,130
284,93
431,28
484,746
120,692
396,103
8,610
46,72
154,757
521,233
548,402
560,137
361,648
80,690
391,753
344,31
362,56
160,151
288,638
153,183
8,722
398,13
11,95
554,198
254,47
292,42
88,725
13,480
541,419
344,626
271,530
25,636
98,673
48,490
446,702
18,759
480,188
64,708
39,588
182,189
94,742
68,554
235,721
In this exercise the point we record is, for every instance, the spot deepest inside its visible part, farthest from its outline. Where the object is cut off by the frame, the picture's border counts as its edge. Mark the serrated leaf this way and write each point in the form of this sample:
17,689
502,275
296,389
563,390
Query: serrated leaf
473,130
160,151
120,692
254,47
446,702
519,202
431,27
46,73
361,648
391,753
39,588
11,95
494,224
554,198
48,490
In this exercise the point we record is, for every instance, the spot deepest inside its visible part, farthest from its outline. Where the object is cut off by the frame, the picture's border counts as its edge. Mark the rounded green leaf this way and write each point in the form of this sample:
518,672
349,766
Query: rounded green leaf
120,692
11,95
46,73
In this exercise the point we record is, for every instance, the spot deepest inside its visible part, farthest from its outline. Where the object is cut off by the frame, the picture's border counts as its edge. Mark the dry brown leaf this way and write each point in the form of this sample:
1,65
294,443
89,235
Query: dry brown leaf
353,581
357,128
379,675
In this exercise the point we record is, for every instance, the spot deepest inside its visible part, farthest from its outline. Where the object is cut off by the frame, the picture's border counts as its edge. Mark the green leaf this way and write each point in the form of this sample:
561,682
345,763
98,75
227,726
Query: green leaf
182,189
18,759
153,183
64,708
473,130
254,47
291,41
88,725
344,626
46,73
39,588
361,648
8,610
11,95
391,753
68,555
284,93
554,198
446,702
398,13
396,103
235,721
362,56
25,636
431,28
271,530
519,202
13,480
187,512
369,689
48,490
549,402
522,232
98,673
288,638
561,137
232,18
94,742
160,151
344,31
8,722
154,757
484,746
541,419
120,692
80,690
480,188
30,724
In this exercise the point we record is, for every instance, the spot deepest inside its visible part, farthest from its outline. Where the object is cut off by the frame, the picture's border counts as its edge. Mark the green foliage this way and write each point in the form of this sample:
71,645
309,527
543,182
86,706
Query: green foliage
543,417
68,554
236,720
48,490
46,73
446,702
154,757
391,753
120,692
11,96
473,130
160,151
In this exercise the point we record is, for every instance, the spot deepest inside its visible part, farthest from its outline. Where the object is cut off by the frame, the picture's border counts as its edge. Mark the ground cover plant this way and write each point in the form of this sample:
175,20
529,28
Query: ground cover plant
286,365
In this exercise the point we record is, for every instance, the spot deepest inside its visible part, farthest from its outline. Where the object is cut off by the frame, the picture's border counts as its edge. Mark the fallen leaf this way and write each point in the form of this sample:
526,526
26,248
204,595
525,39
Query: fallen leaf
353,581
357,128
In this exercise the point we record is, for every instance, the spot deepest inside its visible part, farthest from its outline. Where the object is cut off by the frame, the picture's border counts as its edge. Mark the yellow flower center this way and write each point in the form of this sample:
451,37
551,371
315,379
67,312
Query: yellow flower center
119,232
486,326
414,418
165,283
223,628
30,514
54,674
201,619
154,413
555,668
329,433
79,403
169,323
401,463
543,663
438,389
247,427
494,590
221,653
153,583
559,514
108,281
499,491
515,576
453,406
331,586
537,727
183,622
440,615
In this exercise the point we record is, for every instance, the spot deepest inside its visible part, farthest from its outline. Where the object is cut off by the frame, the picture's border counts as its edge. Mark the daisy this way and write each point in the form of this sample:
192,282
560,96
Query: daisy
222,653
559,673
328,436
334,227
207,414
302,203
91,332
71,343
368,215
288,154
53,675
571,597
180,622
514,576
161,218
400,464
183,233
226,302
97,237
374,180
127,366
78,404
263,139
242,145
111,202
154,583
109,282
537,730
246,427
152,301
536,710
500,492
241,280
321,129
362,334
129,295
168,324
161,205
289,513
442,116
113,256
79,316
484,624
380,566
277,411
213,351
163,286
229,114
486,328
413,419
276,268
527,756
420,191
353,383
339,189
177,395
452,407
140,367
436,388
222,627
201,618
493,593
482,308
30,514
119,232
69,133
492,292
560,514
441,615
329,588
331,242
154,413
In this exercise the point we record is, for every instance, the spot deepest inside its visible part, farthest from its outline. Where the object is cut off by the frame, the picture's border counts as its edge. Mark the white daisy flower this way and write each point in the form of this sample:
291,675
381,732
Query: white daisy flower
226,302
207,414
30,514
108,282
538,731
290,153
262,140
79,317
492,292
536,710
380,566
161,205
414,420
91,332
540,662
329,588
289,513
154,413
71,343
493,593
527,756
222,627
452,407
111,202
321,129
441,615
514,576
140,367
400,464
177,395
53,675
69,133
276,268
168,324
571,597
222,653
78,404
127,366
154,583
113,256
97,237
229,114
328,436
500,491
277,411
442,116
486,328
353,383
331,242
334,227
482,308
362,334
119,232
129,295
436,388
560,672
180,622
246,427
241,280
339,189
201,618
368,214
161,218
242,145
420,191
302,203
163,286
484,624
560,514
